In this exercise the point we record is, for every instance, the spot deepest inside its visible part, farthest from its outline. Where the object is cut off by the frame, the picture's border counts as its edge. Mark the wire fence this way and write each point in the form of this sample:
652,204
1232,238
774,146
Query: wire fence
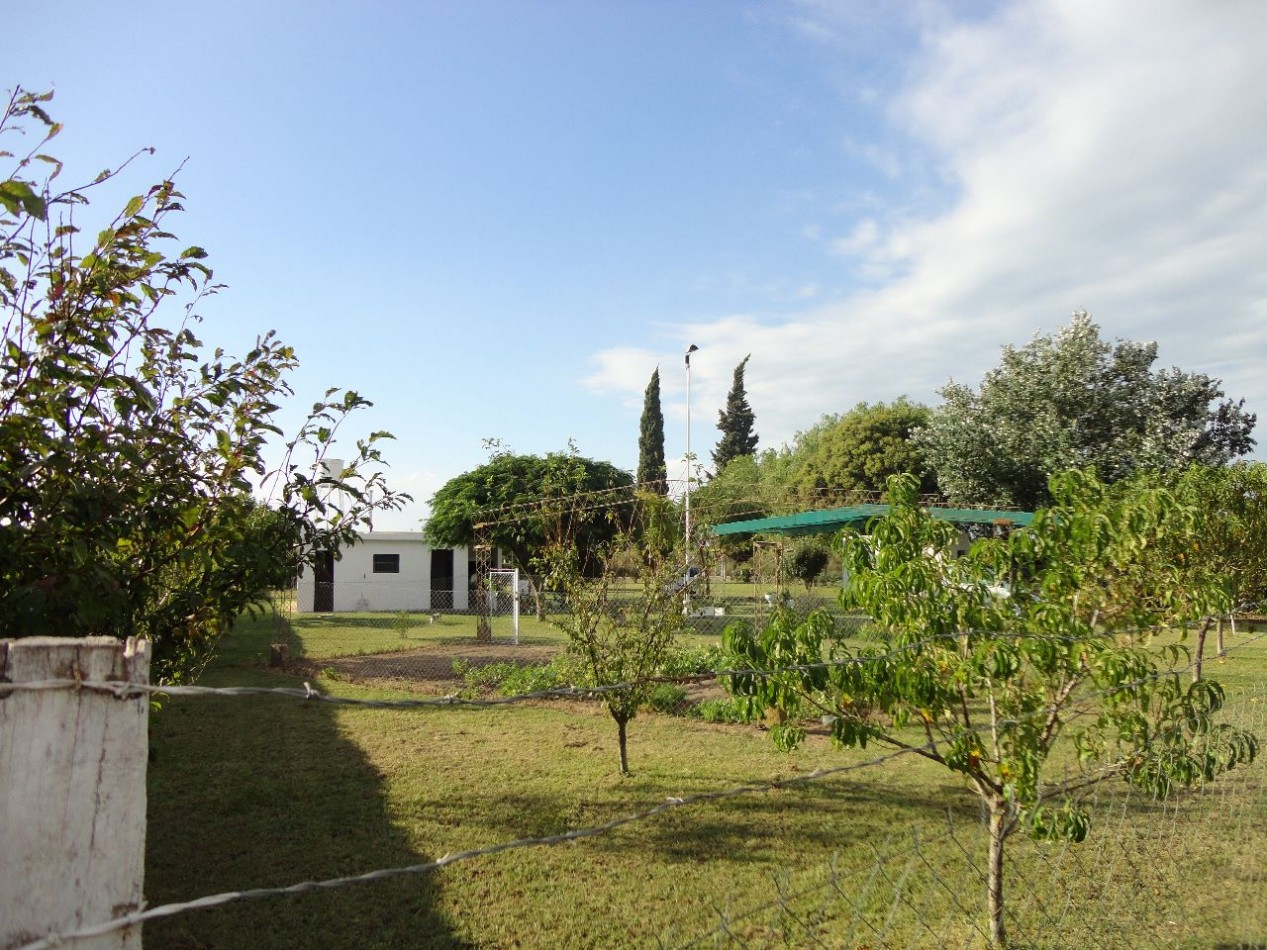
836,853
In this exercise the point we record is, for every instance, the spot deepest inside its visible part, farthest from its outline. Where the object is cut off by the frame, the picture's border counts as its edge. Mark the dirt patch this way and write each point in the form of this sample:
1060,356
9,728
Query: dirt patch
429,670
431,665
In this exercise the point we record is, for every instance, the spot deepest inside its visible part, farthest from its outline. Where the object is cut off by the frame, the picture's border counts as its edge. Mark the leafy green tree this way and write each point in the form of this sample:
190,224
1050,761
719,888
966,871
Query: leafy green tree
1233,543
860,450
622,636
736,423
750,486
529,505
127,454
1073,400
652,471
1234,535
807,559
988,685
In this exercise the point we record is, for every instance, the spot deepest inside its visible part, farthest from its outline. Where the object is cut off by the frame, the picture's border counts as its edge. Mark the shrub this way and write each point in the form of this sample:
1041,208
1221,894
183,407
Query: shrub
691,661
515,679
666,698
731,709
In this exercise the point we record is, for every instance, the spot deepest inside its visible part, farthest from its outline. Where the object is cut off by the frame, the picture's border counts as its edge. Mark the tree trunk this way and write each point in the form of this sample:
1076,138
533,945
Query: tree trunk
1221,642
621,732
1201,635
994,873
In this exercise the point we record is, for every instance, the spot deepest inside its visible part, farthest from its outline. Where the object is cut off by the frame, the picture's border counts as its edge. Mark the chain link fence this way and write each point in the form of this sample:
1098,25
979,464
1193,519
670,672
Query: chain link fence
512,803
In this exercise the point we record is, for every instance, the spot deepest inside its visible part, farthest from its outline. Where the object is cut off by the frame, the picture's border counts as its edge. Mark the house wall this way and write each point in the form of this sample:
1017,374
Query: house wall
356,587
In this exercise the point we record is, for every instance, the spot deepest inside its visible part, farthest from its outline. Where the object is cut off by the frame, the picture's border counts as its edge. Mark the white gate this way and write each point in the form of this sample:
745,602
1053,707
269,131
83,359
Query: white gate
503,603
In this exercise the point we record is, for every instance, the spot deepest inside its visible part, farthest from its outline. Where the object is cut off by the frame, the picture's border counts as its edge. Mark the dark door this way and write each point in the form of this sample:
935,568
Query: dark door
442,579
323,582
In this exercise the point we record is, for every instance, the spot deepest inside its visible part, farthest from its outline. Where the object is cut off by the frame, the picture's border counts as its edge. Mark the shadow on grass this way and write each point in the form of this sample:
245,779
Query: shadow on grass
262,792
823,816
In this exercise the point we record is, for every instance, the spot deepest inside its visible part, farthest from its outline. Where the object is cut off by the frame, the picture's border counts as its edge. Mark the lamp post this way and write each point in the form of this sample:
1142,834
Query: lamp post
689,550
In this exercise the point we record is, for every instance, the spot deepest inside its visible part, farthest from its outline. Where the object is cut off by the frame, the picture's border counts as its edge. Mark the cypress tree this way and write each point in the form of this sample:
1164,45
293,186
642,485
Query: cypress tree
735,423
652,473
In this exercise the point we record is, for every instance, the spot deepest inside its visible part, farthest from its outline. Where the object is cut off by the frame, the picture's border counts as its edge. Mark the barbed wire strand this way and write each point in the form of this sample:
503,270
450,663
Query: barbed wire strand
136,690
216,900
1103,772
727,919
132,690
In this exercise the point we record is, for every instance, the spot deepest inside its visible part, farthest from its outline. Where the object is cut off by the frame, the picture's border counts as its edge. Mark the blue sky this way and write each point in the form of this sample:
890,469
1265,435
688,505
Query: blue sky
495,219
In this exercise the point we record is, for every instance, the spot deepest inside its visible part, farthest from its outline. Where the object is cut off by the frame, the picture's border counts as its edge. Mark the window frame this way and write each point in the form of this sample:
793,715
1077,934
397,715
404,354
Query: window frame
385,563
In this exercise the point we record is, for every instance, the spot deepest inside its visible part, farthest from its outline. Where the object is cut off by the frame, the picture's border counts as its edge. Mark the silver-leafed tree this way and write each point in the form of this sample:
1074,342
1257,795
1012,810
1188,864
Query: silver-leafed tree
1075,400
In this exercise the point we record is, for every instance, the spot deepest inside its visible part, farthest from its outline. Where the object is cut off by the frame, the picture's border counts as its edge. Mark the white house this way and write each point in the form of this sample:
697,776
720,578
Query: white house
387,571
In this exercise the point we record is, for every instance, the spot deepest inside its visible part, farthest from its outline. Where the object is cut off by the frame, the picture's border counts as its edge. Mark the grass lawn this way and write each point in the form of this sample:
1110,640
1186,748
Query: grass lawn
268,791
320,636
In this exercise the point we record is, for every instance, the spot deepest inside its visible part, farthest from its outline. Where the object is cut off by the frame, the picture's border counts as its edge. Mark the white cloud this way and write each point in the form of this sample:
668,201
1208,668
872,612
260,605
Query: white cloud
623,369
863,237
1096,155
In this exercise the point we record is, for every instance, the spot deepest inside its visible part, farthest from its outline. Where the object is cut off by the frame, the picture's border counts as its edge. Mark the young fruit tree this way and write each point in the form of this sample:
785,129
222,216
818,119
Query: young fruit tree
131,458
1032,645
1233,545
622,621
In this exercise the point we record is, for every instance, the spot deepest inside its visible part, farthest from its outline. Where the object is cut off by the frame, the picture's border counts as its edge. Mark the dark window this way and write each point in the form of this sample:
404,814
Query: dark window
386,563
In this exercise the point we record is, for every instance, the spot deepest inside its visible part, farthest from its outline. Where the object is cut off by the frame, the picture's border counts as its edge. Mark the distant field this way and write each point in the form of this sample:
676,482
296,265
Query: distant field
325,635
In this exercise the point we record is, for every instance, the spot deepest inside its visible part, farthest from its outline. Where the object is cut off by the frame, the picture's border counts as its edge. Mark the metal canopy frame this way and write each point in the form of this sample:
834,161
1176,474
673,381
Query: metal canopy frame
830,520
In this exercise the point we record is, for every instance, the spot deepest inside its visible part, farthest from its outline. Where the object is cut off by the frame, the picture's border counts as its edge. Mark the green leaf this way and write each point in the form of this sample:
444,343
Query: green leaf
17,195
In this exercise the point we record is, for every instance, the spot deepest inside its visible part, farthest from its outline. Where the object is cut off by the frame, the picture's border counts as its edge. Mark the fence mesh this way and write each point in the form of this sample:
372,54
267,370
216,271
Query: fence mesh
509,826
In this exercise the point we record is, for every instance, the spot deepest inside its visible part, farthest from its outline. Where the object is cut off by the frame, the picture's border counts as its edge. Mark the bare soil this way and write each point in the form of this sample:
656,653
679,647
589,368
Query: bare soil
430,668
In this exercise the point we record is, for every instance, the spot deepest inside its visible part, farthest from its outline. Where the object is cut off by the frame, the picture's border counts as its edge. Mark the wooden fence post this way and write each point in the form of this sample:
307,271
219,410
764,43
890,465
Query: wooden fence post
72,789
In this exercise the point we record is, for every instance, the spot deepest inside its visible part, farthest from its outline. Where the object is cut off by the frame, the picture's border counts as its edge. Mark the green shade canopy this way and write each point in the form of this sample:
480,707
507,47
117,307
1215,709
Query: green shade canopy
833,519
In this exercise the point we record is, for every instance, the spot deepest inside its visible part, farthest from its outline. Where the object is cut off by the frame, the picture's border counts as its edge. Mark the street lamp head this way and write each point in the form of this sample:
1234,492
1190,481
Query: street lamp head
689,350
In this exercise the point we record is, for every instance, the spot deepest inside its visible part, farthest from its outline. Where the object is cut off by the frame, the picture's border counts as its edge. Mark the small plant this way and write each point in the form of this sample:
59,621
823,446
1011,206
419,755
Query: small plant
666,698
491,675
402,623
732,709
621,647
516,679
531,678
691,661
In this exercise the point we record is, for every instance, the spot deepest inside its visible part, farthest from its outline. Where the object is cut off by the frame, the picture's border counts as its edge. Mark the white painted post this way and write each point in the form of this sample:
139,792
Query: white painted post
72,789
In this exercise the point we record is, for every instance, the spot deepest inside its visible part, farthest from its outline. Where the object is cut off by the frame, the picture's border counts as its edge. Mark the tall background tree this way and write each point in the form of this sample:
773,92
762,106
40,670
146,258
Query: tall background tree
860,450
1072,400
736,423
128,455
528,505
652,472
